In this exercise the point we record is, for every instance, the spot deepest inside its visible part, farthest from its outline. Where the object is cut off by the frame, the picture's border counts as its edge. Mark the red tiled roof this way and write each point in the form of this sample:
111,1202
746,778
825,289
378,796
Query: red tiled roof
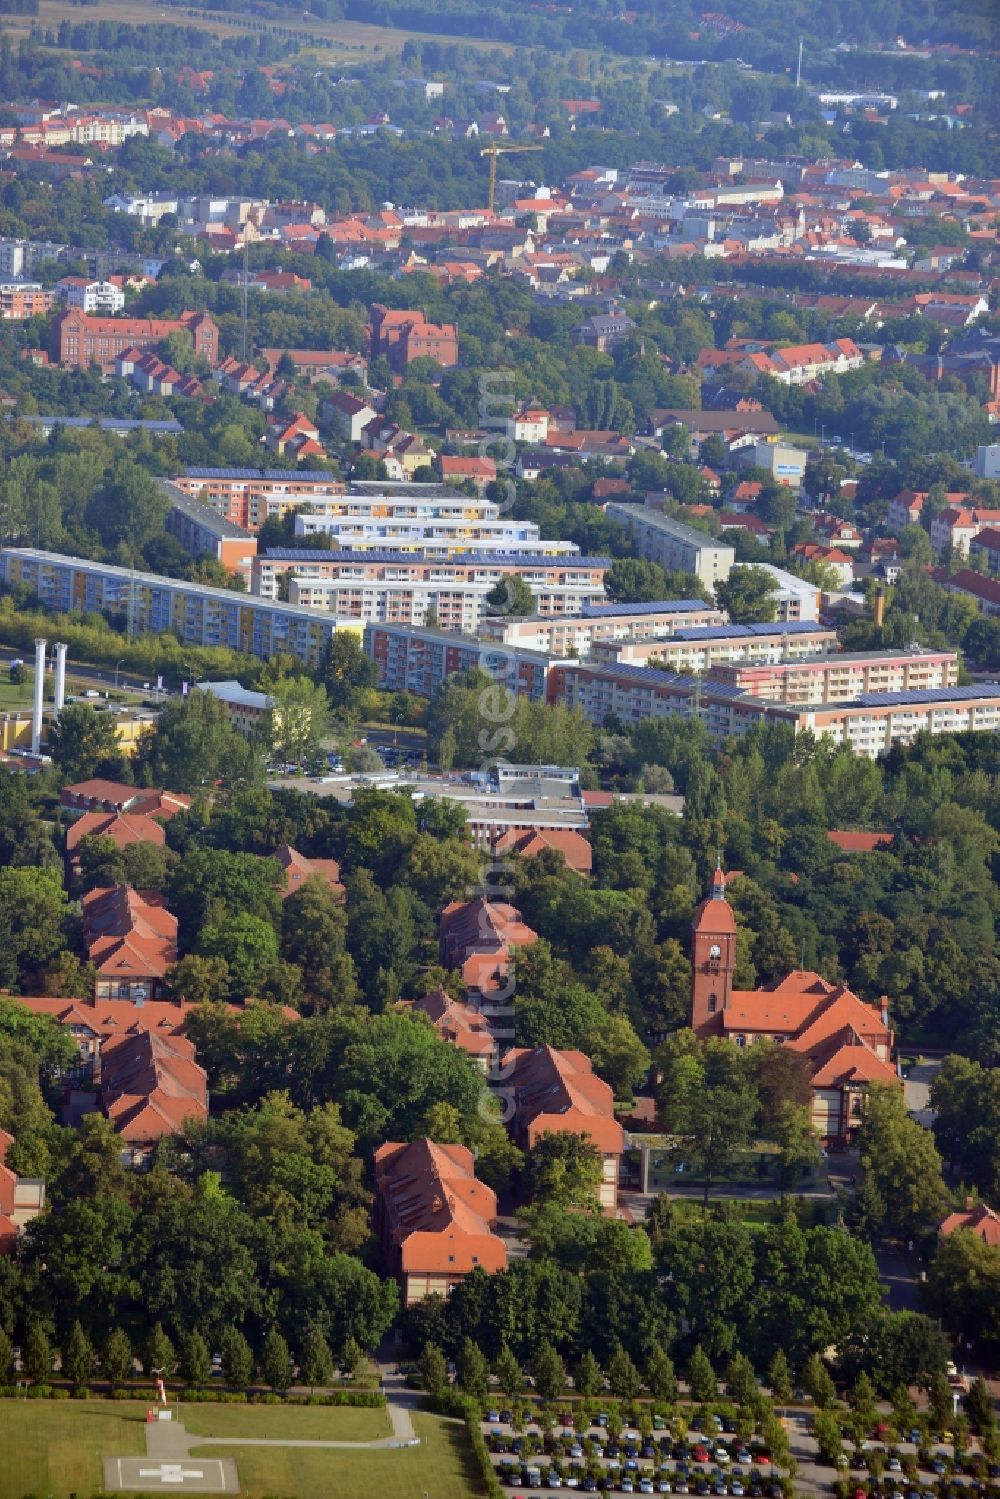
858,843
556,1092
573,846
150,1084
462,1024
977,1219
122,827
127,933
439,1216
298,869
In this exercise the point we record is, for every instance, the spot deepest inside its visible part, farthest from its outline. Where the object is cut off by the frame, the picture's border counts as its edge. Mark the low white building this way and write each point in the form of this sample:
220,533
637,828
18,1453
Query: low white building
795,599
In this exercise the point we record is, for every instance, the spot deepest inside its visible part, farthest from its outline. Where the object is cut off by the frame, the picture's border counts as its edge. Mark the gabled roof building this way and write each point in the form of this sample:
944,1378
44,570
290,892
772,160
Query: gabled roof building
847,1042
435,1219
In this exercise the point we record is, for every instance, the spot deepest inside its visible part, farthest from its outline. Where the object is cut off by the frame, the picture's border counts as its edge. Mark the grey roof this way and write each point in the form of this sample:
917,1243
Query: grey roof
204,515
167,426
656,606
475,559
924,695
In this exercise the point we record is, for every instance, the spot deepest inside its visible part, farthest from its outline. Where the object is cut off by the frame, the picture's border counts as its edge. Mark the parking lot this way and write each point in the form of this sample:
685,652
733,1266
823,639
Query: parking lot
715,1461
598,1457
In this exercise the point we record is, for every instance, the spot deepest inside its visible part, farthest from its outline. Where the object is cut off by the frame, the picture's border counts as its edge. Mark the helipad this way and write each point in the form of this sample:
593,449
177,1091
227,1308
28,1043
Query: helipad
195,1475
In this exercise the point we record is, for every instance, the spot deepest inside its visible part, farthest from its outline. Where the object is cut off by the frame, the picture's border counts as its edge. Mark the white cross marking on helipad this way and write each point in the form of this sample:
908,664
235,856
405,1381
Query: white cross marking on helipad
171,1473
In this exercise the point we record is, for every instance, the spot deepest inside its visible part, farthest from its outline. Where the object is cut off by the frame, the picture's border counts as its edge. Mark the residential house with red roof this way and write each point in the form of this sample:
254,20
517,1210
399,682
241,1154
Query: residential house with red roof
850,842
298,869
131,939
434,1218
123,828
461,1024
556,1092
99,795
955,527
479,938
976,1218
21,1198
455,468
847,1042
571,846
151,1085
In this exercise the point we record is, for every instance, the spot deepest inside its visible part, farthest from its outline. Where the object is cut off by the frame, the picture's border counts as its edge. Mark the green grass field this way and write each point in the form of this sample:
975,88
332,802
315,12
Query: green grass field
55,1447
441,1466
335,1423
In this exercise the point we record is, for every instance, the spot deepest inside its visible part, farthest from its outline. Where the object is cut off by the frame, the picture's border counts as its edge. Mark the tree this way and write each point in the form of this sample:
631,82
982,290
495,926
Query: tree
247,944
749,595
660,1377
548,1372
315,1360
78,1357
979,1404
84,743
433,1370
194,745
237,1358
563,1170
345,670
33,912
779,1378
511,595
473,1371
623,1376
701,1376
352,1357
507,1372
826,1431
818,1382
159,1353
117,1358
36,1354
941,1403
276,1362
588,1377
797,1142
741,1382
901,1163
298,720
6,1356
963,1288
196,1361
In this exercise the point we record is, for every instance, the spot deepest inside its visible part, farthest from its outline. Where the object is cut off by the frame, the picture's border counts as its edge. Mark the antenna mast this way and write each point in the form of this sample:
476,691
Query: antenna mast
798,70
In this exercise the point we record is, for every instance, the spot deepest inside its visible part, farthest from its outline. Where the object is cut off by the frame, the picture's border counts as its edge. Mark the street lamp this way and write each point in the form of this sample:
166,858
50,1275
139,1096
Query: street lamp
822,439
118,665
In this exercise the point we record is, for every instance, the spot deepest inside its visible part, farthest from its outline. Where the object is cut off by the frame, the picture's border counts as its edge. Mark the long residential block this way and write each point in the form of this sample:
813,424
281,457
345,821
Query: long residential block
704,647
250,496
871,723
400,587
574,635
418,661
839,678
195,613
674,545
203,532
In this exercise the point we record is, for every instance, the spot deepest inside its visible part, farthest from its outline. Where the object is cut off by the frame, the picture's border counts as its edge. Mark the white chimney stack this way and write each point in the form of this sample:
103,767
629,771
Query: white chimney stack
36,716
60,694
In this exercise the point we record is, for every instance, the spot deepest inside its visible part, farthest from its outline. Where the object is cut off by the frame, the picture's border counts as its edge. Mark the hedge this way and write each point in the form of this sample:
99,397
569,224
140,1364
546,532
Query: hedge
453,1403
363,1399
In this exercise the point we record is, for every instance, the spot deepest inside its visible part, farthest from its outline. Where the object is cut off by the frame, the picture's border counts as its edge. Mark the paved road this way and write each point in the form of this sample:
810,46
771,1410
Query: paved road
917,1090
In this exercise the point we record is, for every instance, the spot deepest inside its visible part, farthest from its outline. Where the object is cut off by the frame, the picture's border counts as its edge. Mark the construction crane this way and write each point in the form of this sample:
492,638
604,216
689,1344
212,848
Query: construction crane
493,152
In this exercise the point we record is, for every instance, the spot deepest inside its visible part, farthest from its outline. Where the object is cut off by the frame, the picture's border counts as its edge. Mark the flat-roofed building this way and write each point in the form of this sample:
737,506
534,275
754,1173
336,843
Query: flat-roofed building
674,545
575,634
870,723
419,660
702,649
250,496
839,678
203,532
795,597
401,587
194,612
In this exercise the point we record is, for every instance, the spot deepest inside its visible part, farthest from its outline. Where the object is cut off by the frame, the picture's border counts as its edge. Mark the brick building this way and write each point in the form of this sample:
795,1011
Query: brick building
556,1092
79,340
847,1042
402,335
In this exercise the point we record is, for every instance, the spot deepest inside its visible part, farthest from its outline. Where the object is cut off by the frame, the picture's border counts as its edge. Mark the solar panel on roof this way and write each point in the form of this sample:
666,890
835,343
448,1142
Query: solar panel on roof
473,559
920,695
657,606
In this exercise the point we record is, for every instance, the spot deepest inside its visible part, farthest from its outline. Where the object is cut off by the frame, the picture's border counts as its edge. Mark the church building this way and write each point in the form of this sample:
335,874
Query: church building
848,1042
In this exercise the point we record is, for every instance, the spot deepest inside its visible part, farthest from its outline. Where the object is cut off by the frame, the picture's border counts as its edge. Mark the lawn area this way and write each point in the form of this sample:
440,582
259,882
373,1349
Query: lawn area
333,1423
12,697
55,1447
442,1465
